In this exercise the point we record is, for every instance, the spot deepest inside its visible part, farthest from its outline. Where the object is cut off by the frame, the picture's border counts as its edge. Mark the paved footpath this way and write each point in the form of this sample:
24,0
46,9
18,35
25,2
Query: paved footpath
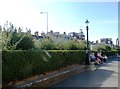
106,75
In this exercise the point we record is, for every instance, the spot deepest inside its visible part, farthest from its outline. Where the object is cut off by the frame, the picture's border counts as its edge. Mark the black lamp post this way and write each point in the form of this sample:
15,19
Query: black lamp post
117,43
87,49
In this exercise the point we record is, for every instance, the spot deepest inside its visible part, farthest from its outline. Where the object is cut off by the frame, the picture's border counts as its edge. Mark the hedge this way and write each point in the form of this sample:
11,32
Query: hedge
17,65
108,53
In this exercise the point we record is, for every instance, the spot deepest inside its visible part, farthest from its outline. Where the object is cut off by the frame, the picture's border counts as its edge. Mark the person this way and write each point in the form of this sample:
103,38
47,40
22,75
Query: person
98,61
99,57
105,58
92,57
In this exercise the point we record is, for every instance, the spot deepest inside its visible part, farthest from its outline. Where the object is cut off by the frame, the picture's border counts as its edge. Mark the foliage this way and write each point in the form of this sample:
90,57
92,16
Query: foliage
18,65
7,34
13,39
101,47
108,48
64,57
104,48
26,43
48,44
118,51
109,53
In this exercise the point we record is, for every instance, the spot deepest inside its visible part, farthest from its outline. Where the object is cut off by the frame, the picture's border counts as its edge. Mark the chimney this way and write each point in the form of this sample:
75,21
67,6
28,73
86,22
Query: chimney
36,33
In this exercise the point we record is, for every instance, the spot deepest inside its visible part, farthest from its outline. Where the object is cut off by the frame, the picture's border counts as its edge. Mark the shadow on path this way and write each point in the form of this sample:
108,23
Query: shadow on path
86,79
103,76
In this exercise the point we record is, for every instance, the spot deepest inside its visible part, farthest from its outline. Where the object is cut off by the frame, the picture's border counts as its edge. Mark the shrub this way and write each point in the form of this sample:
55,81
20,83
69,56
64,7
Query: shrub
47,44
108,48
71,45
74,45
26,43
18,65
13,38
101,49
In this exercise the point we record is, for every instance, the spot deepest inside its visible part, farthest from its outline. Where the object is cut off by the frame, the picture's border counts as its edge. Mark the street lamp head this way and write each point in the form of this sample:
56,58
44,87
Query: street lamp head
87,22
41,12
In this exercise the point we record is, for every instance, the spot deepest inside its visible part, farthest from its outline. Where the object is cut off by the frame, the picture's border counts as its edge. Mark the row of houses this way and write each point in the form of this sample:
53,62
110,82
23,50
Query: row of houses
51,34
73,35
107,41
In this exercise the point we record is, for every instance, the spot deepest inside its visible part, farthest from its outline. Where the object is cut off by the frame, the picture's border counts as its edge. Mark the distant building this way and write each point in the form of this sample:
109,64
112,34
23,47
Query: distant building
36,36
92,43
97,41
54,35
107,41
73,35
76,35
43,34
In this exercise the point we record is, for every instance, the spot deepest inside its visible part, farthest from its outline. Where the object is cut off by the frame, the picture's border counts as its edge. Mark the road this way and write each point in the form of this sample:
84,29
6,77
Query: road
106,75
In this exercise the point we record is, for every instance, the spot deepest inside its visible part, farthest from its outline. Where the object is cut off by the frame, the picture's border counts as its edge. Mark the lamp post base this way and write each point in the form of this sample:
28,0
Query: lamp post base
87,59
90,67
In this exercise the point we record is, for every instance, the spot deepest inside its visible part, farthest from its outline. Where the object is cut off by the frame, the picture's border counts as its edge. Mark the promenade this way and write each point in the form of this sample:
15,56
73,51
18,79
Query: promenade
106,75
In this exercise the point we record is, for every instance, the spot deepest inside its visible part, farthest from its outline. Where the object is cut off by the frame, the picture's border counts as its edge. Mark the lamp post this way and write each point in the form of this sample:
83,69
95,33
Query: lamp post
87,52
117,43
47,19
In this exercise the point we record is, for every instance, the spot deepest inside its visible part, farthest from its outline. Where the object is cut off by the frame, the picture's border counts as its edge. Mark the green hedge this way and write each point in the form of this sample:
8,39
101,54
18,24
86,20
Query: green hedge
17,65
64,57
119,51
108,53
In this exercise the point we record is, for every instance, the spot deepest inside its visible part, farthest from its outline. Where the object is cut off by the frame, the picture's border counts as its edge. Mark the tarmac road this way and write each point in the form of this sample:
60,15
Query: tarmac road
106,75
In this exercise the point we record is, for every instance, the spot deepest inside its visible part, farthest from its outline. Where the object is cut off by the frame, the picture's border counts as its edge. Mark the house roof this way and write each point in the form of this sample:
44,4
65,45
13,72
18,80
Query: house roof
38,37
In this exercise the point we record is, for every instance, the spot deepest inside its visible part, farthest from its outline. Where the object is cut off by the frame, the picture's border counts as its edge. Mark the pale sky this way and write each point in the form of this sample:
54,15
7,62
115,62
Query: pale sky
68,16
